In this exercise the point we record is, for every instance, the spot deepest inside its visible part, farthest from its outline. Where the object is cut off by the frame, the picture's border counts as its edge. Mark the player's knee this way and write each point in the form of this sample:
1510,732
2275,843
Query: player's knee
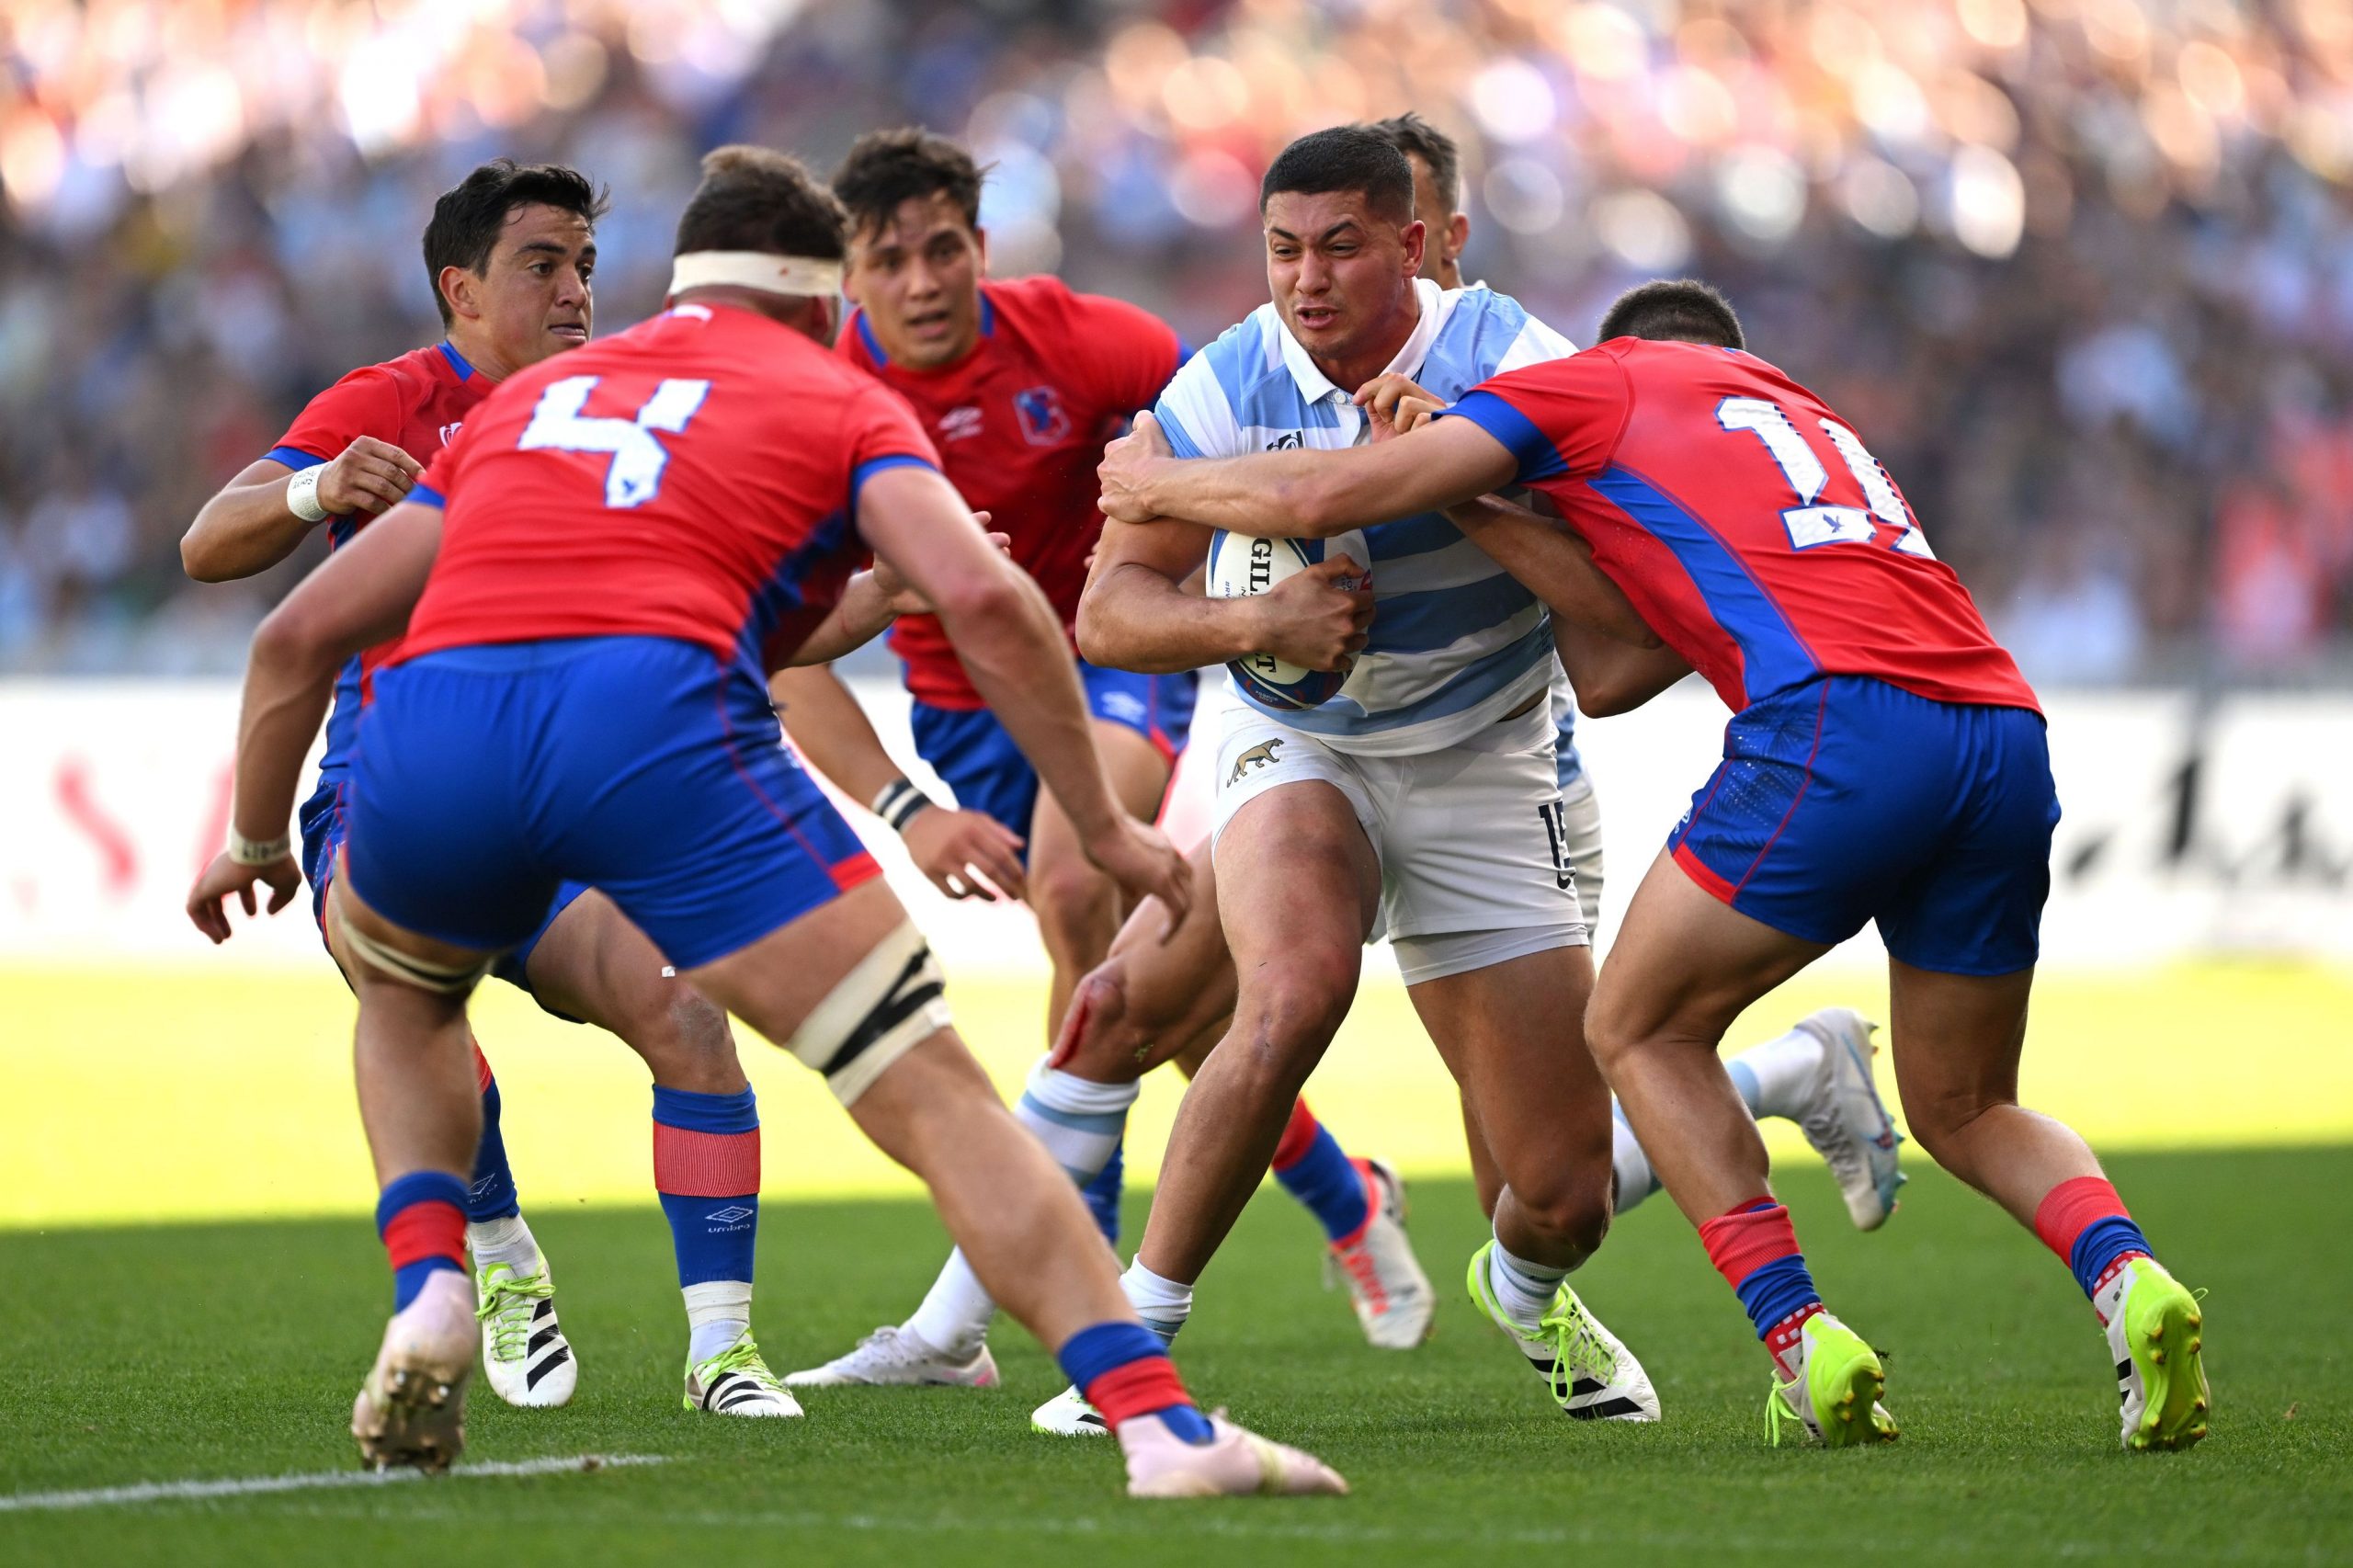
1941,1121
1077,907
681,1033
1289,1011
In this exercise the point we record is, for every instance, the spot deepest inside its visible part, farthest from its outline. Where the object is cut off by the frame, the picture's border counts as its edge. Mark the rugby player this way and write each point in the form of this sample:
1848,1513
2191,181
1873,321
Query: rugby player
510,254
1885,763
1019,381
633,539
1422,800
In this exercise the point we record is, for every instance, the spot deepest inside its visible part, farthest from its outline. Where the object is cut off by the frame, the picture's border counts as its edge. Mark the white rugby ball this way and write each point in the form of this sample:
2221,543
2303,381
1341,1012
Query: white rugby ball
1240,566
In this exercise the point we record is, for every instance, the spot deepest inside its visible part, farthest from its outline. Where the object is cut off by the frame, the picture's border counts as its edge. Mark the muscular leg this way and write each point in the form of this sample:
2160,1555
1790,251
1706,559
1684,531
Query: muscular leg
592,963
1295,911
1012,1211
1077,906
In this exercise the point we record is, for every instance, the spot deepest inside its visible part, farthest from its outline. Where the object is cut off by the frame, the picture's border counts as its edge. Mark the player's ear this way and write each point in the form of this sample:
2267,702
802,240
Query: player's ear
1457,234
981,244
1415,236
462,288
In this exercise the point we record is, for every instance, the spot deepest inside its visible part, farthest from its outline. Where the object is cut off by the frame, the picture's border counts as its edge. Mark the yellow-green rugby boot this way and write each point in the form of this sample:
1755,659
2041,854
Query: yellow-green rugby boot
2154,1332
1834,1397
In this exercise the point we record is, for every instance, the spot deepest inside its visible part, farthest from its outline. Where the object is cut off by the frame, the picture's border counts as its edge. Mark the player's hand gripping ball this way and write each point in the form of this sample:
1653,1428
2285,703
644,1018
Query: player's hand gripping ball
1315,627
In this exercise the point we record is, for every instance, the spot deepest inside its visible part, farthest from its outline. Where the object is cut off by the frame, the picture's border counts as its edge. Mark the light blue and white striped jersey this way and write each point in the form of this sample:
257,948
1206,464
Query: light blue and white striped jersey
1456,643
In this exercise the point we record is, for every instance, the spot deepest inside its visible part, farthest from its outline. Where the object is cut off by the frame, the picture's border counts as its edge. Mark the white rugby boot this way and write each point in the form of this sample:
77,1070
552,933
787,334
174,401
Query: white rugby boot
736,1381
1844,1119
2154,1332
1591,1374
1394,1301
524,1352
1068,1414
896,1356
411,1411
1234,1462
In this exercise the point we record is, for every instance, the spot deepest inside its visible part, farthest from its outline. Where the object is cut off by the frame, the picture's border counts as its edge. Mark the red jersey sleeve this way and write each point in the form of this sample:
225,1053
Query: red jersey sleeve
879,430
370,401
1120,355
1559,419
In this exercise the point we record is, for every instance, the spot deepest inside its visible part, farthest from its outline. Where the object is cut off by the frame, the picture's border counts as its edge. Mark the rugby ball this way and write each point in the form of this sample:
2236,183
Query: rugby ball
1240,566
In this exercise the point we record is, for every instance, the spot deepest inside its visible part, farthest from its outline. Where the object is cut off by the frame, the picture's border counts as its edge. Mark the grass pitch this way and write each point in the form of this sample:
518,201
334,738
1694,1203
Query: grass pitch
131,1355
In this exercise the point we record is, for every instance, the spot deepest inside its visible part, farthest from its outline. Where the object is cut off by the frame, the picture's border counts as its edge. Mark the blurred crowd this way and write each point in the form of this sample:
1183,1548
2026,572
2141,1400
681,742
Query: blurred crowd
2080,271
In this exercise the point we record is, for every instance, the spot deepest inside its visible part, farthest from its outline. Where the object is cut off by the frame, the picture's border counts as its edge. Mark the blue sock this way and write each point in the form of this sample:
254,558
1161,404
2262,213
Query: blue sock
707,1171
492,1196
1776,1289
1102,1193
421,1219
1324,1179
1124,1372
2102,1243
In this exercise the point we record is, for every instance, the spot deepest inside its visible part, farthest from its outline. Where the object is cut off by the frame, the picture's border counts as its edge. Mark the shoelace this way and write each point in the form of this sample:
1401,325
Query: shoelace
744,1357
1576,1348
1364,1276
1780,1413
506,1307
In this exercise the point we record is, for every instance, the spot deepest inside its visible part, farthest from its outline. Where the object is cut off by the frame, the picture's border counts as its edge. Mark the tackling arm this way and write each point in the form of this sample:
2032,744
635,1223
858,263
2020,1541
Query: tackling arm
1302,494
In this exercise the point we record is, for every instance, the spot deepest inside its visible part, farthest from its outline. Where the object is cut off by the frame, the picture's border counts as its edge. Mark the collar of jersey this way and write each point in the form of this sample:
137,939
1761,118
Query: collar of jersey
457,360
1316,386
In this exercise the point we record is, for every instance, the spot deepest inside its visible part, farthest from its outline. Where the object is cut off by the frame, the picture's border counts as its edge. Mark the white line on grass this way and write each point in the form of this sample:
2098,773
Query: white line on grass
322,1480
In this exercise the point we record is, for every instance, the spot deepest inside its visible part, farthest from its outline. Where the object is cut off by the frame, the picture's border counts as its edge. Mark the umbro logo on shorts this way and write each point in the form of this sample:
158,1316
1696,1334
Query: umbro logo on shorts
1260,756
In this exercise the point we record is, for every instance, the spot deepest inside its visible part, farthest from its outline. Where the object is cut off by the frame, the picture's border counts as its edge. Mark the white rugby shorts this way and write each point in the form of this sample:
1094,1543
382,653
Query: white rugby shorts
1474,840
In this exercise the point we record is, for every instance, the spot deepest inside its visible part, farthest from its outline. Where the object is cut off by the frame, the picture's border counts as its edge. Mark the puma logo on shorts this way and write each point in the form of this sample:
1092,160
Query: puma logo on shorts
1260,756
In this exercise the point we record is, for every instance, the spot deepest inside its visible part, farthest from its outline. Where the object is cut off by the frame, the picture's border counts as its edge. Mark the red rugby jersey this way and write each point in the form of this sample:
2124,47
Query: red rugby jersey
416,403
691,477
1744,520
1020,424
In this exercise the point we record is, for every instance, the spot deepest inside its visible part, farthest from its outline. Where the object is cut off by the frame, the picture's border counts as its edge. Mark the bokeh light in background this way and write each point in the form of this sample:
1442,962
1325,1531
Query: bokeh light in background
2082,270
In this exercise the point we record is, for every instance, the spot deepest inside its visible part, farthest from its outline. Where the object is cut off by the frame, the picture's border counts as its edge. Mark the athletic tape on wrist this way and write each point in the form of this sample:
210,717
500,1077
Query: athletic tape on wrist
893,1000
258,851
897,803
754,270
302,495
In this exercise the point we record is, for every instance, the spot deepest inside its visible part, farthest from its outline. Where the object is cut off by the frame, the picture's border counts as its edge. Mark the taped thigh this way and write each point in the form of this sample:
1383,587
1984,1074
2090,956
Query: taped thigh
895,998
446,980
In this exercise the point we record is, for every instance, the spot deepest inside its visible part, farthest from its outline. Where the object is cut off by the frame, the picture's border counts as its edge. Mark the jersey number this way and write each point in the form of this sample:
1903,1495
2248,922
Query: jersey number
1809,524
635,476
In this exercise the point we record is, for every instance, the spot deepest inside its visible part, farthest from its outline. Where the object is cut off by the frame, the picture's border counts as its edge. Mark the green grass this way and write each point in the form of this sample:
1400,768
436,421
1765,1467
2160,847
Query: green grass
201,1352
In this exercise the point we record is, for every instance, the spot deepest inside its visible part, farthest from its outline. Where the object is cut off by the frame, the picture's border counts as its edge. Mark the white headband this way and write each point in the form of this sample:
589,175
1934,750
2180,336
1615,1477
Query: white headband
754,270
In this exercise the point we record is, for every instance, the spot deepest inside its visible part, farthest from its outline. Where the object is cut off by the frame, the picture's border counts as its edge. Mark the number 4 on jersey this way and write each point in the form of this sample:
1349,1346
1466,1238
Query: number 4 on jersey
1809,524
635,476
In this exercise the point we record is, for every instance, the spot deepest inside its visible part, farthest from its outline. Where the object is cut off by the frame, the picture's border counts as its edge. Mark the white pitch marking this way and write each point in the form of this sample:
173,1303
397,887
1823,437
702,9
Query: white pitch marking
173,1491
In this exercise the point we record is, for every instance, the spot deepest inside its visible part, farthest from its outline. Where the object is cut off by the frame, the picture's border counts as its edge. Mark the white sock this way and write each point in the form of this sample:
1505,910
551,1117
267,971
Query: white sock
719,1312
1078,1120
1773,1077
1636,1181
1164,1304
954,1317
507,1241
1522,1288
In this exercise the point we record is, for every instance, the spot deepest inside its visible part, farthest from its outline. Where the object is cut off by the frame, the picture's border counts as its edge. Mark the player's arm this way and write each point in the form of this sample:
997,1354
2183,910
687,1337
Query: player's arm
256,519
830,729
1611,677
1136,613
360,597
1302,494
870,601
1012,647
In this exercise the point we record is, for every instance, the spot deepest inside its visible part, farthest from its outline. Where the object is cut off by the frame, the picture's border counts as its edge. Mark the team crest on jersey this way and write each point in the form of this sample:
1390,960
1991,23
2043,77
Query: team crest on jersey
450,432
1043,420
1285,443
959,423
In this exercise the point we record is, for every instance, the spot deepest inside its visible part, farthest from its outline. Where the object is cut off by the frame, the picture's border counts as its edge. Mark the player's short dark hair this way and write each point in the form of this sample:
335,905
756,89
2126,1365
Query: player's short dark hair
758,198
1683,309
1345,157
469,215
886,169
1417,138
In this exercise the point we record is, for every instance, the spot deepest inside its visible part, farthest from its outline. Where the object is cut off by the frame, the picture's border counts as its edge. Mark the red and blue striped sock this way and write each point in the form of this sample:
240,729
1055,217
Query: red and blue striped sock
707,1171
1124,1372
1755,1249
491,1195
421,1218
2086,1223
1312,1168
